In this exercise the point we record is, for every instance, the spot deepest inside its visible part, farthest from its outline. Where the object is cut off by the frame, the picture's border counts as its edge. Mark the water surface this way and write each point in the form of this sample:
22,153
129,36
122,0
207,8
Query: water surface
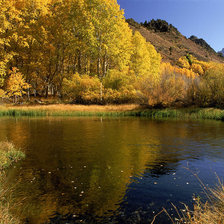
95,170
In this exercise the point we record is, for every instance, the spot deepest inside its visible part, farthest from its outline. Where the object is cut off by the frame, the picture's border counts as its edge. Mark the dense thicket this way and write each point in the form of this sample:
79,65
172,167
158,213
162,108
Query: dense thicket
85,52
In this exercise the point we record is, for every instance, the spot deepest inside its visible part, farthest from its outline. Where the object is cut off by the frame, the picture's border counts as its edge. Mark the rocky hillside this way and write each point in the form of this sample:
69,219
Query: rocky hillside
221,52
171,44
202,43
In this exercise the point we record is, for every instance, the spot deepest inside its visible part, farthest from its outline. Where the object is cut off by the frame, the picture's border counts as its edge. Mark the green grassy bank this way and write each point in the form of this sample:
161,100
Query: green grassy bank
112,111
8,155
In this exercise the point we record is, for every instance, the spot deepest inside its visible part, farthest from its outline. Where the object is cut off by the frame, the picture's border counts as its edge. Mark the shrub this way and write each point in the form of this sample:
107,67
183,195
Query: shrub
16,85
171,89
83,89
89,90
210,90
124,95
9,154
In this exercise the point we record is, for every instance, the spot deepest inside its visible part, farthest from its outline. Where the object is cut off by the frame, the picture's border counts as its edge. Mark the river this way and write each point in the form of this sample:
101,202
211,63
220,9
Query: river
110,170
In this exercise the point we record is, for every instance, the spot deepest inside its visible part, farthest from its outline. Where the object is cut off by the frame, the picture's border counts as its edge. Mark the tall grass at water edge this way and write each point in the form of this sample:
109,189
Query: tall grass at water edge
112,111
210,212
8,155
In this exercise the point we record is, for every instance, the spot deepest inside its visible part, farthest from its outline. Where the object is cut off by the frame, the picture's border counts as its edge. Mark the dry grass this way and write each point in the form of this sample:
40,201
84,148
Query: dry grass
8,154
69,110
6,203
89,108
211,212
5,215
131,110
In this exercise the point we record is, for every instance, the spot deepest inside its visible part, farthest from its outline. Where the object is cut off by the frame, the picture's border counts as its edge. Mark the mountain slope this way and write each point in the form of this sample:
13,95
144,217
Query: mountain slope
202,43
221,52
171,44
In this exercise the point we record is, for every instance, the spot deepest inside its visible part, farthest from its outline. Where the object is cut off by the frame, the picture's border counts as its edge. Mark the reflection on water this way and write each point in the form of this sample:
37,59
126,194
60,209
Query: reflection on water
109,170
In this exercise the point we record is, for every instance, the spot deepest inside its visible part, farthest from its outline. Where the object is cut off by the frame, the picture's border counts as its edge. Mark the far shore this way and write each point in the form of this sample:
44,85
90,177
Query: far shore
131,110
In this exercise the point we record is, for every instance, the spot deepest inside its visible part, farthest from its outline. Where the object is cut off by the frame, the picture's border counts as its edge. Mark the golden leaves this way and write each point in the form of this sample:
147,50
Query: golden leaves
16,84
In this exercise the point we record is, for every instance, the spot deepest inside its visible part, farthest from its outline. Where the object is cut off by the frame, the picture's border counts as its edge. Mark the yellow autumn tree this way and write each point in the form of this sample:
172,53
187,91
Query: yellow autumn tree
54,39
7,20
145,64
2,94
51,40
16,85
112,46
145,61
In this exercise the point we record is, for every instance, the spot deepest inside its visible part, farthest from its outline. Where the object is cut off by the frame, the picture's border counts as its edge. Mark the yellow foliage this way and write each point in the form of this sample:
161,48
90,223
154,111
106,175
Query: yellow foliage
170,90
124,95
172,87
191,63
118,79
197,68
145,61
89,90
183,62
50,40
204,65
16,84
167,68
2,93
82,88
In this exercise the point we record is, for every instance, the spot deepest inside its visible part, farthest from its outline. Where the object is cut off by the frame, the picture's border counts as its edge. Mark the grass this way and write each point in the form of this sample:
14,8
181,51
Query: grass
5,207
68,110
8,155
209,212
132,110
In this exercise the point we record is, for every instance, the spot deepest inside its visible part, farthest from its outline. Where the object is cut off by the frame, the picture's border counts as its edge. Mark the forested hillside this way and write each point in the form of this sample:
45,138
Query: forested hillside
83,51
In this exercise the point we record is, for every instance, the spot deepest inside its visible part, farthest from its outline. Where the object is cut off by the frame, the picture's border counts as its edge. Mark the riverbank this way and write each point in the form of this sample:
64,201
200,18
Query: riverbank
8,155
132,110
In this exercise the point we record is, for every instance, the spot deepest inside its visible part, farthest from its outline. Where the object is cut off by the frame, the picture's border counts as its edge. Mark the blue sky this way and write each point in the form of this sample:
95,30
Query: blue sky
202,18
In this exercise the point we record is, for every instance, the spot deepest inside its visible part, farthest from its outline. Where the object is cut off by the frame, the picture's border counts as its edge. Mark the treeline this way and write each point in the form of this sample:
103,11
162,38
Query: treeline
83,51
50,41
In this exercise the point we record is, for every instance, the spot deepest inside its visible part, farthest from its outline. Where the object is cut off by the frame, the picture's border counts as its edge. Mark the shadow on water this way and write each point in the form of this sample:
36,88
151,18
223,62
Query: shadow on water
109,170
